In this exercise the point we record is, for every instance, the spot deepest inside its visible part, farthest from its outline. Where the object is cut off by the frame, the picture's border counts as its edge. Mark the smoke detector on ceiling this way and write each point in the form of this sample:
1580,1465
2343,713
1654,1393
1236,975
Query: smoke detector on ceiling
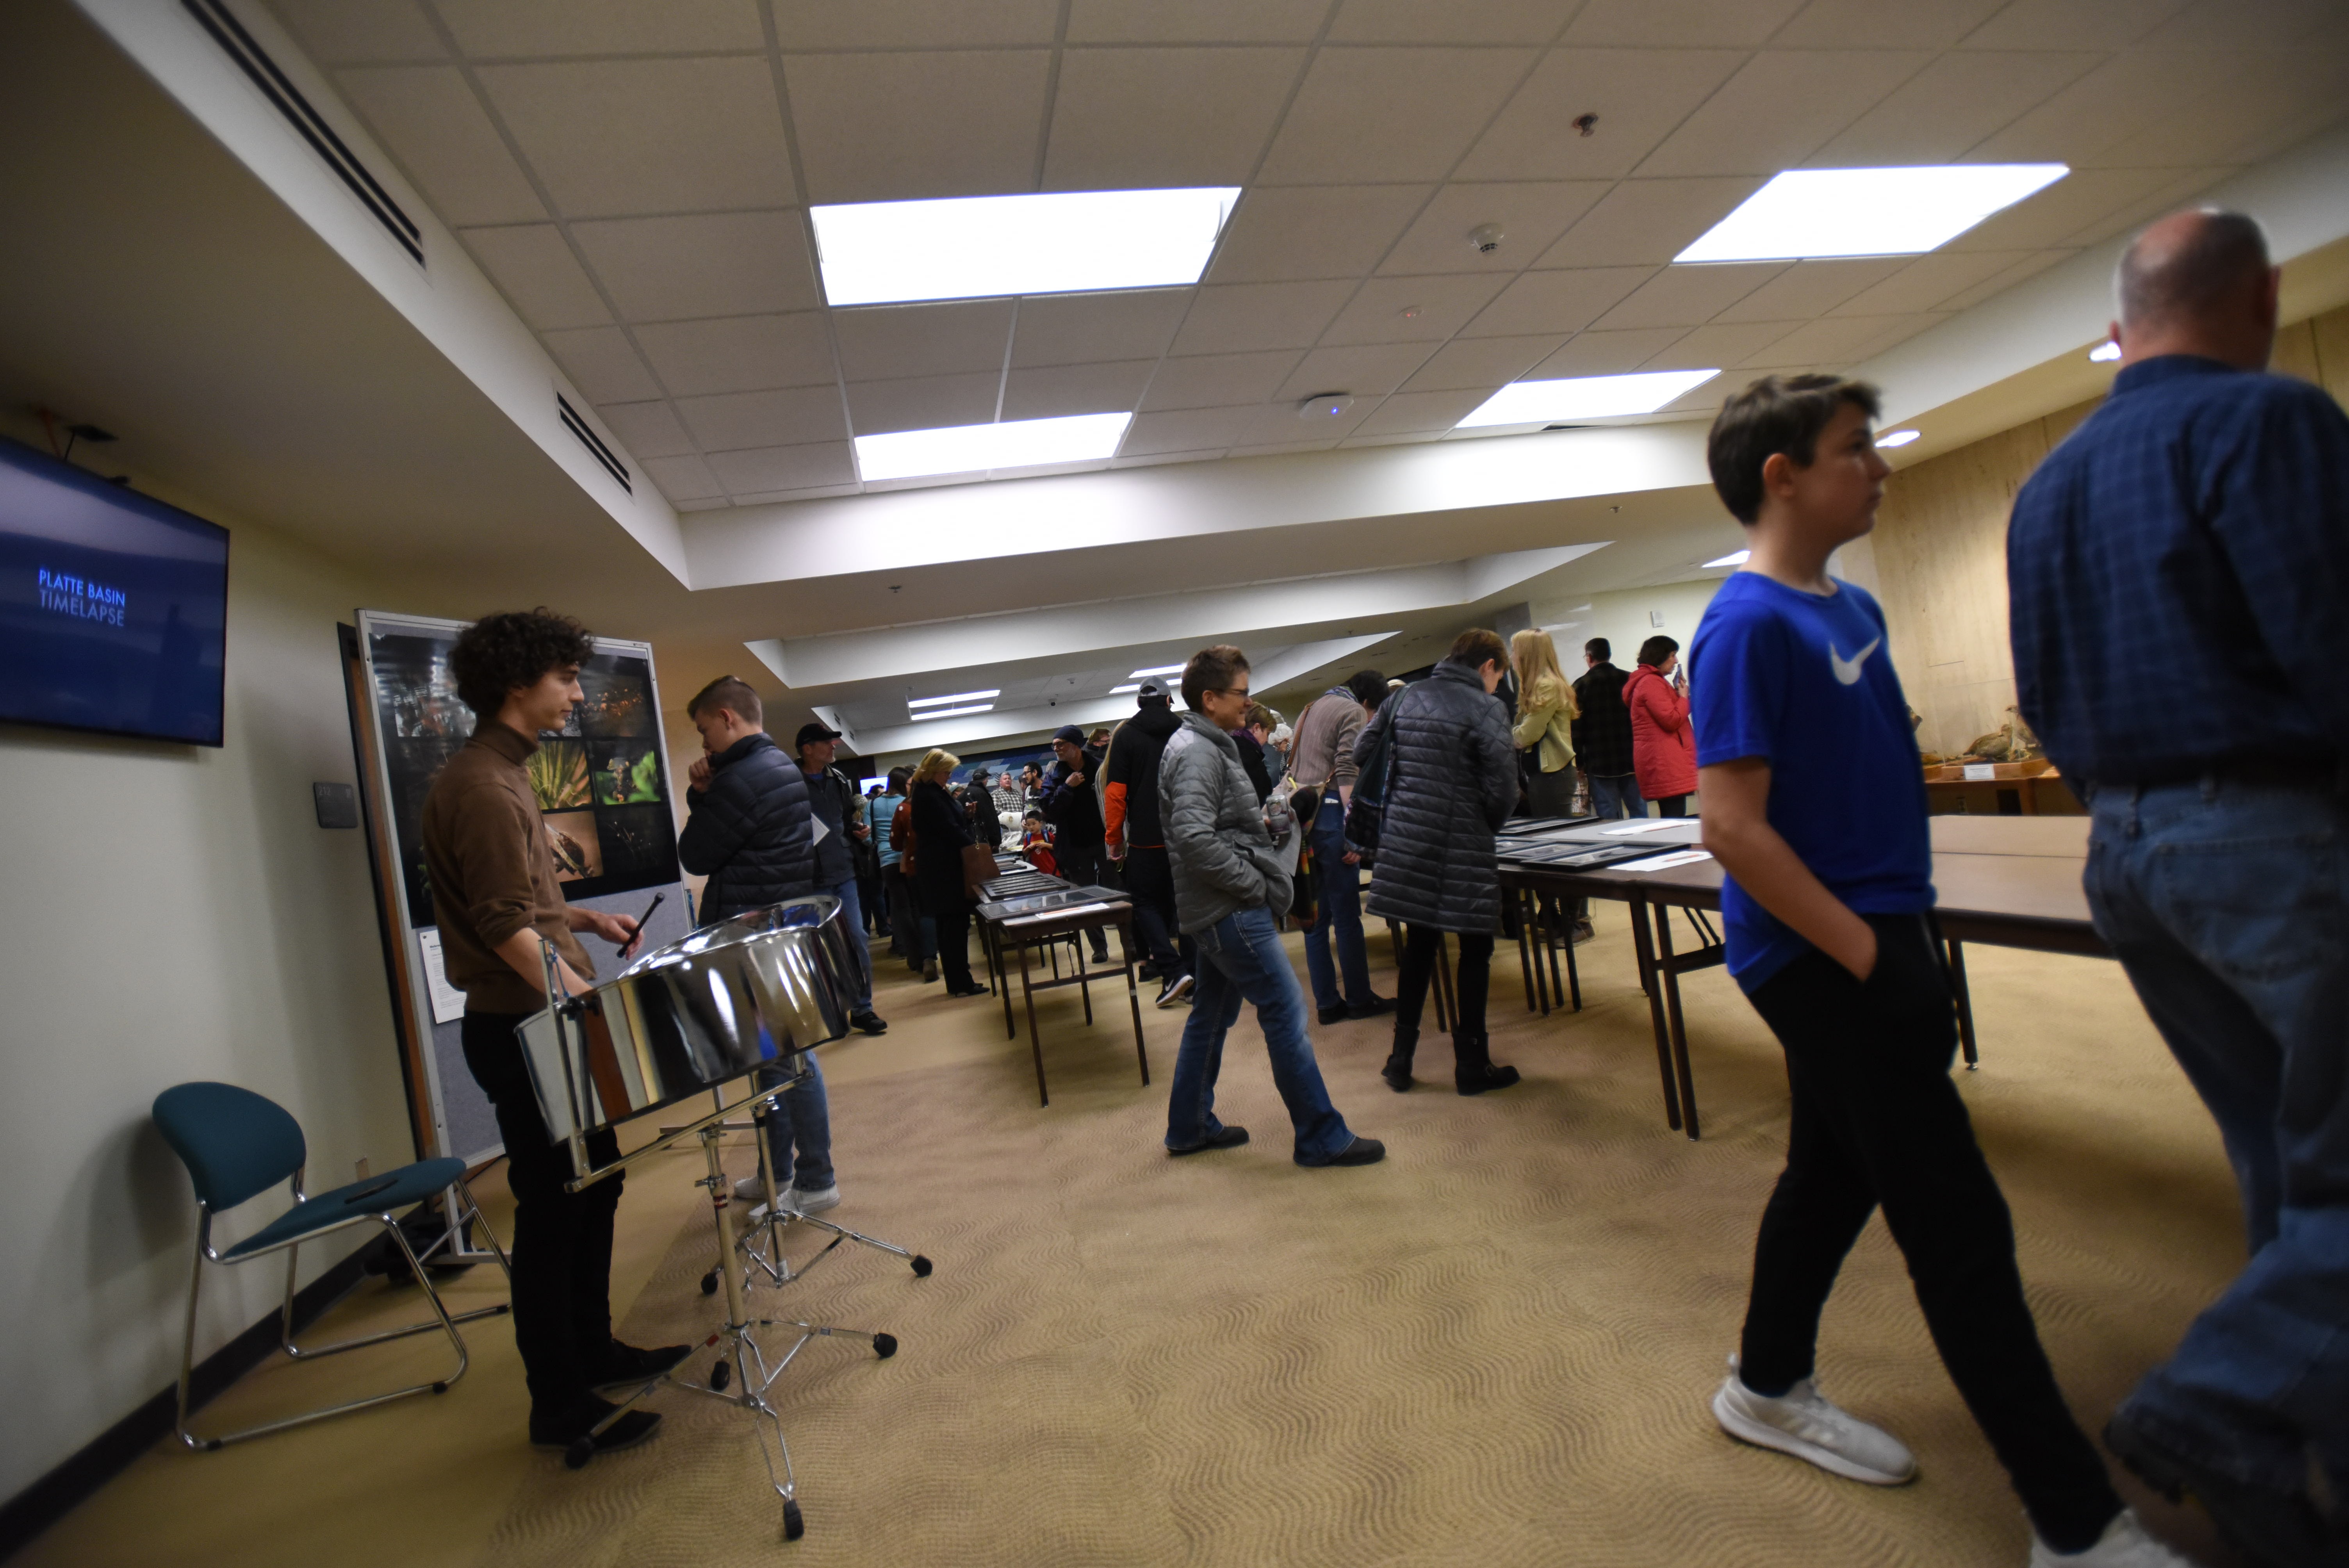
1325,405
1487,238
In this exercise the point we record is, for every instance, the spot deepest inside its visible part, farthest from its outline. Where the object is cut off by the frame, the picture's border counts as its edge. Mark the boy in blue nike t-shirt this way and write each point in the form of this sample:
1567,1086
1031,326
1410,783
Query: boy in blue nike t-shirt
1813,803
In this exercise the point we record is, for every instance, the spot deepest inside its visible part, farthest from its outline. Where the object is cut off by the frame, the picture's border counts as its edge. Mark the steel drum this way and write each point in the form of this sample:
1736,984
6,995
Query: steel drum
736,994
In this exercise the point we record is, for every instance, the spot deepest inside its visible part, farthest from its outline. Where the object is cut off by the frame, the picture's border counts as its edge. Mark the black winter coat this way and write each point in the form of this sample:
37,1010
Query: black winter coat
941,828
978,810
1075,809
1455,783
1133,753
1601,730
749,831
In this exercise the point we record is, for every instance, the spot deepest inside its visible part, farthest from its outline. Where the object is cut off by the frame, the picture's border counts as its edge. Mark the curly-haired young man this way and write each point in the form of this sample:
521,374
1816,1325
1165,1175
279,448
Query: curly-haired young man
499,906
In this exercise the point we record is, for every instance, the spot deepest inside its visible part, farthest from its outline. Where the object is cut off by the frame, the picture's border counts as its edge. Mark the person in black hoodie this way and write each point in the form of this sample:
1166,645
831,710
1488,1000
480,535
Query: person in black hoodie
1074,810
1134,837
750,833
1601,733
985,824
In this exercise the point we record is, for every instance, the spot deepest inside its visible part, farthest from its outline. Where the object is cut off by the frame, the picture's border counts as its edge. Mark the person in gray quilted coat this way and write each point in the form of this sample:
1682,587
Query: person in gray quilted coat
1453,783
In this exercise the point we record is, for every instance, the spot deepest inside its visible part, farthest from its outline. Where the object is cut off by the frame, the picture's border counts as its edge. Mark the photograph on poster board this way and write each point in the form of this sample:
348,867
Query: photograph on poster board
624,772
639,845
578,851
415,693
558,774
615,698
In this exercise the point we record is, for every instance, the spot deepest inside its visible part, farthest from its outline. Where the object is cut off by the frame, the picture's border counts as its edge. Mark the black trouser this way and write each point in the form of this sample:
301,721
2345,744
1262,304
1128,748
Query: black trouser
905,921
1877,1121
1150,883
952,918
562,1253
1671,805
1081,864
1473,977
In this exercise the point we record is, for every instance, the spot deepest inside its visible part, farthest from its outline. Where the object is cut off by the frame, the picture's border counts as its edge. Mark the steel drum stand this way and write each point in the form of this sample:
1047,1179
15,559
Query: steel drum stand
761,1241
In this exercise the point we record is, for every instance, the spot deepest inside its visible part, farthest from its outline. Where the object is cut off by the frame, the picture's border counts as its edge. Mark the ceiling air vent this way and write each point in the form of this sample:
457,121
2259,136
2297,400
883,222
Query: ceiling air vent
593,442
229,34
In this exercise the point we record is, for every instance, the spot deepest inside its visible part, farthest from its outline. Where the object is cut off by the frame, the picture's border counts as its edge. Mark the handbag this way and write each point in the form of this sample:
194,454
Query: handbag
901,836
978,869
1366,810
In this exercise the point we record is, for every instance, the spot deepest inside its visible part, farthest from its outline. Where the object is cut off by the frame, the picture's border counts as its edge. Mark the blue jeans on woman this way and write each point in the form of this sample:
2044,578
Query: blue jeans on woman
1616,796
2226,904
1337,887
1240,958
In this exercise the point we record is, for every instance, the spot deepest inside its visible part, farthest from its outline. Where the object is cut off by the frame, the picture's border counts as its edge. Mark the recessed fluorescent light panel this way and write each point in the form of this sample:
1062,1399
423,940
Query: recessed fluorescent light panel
1161,670
1584,398
1734,558
1898,438
975,448
885,252
958,696
1118,691
955,712
1806,214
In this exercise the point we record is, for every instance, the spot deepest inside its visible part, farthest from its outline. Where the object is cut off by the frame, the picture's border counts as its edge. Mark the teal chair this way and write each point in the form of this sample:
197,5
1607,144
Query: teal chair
236,1144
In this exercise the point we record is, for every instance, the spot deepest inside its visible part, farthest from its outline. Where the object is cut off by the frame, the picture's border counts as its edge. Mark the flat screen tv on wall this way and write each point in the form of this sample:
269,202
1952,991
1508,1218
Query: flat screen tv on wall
113,606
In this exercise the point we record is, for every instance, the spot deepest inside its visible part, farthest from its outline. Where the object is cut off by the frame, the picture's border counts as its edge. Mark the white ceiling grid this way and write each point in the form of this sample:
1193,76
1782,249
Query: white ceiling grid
635,179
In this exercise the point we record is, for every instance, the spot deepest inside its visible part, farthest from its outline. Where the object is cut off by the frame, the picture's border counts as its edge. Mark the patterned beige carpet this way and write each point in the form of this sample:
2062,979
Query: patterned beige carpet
1493,1349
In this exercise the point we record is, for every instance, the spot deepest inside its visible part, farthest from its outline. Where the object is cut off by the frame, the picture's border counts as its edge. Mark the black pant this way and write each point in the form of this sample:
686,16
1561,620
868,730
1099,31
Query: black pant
904,924
562,1251
1877,1121
1671,805
1081,864
1150,883
952,918
1473,973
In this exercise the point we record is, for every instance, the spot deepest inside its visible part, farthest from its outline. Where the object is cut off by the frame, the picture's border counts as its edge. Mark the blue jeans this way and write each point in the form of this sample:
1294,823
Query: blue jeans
1338,890
2225,903
851,921
800,1117
1240,956
1616,796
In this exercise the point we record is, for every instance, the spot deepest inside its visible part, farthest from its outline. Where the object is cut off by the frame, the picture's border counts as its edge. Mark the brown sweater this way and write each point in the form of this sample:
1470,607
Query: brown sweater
492,873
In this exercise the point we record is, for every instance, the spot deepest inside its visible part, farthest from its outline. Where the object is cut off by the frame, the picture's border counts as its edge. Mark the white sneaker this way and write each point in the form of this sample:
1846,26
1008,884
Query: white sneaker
1803,1423
801,1201
2124,1544
751,1190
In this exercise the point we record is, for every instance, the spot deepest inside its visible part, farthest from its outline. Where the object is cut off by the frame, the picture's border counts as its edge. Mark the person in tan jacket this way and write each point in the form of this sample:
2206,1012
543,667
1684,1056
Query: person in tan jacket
1545,710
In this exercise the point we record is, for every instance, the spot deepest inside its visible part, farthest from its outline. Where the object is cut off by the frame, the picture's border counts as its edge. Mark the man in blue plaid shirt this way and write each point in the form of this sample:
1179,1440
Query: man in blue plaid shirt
2179,574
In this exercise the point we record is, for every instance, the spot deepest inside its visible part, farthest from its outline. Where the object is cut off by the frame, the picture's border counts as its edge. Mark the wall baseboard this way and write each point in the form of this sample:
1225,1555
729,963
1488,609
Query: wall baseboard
32,1510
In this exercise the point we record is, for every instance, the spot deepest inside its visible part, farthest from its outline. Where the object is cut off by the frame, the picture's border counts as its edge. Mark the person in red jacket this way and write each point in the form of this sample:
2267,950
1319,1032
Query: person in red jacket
1664,750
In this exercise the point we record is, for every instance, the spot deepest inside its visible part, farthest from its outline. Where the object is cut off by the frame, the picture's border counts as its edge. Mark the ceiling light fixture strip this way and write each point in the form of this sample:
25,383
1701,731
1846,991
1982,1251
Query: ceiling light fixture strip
593,442
287,99
913,702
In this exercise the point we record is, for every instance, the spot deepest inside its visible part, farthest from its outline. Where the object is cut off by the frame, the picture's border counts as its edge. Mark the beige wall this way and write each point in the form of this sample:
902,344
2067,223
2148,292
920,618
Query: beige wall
1938,557
175,912
1627,618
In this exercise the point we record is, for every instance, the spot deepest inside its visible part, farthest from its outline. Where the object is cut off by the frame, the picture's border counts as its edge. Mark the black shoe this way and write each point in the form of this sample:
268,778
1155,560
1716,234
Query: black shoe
1483,1076
1145,971
869,1022
1178,986
563,1431
1337,1015
1229,1138
1397,1072
2272,1528
971,990
626,1368
1362,1152
1376,1007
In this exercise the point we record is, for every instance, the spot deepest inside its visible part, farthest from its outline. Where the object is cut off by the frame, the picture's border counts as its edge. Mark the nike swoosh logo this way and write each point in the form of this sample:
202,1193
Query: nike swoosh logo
1847,670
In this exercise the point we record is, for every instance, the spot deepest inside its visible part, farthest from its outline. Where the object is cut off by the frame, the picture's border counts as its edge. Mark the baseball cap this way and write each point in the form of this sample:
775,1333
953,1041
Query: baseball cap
1070,733
1151,692
815,732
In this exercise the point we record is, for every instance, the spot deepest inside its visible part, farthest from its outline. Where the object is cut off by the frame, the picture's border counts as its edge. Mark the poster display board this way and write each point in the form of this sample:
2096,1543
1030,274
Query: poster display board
602,785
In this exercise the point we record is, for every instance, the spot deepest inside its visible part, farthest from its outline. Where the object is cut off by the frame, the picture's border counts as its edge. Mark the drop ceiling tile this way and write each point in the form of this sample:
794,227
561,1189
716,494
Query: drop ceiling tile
1812,288
740,354
1532,215
1049,391
1313,232
1195,21
1555,302
2229,23
709,264
602,364
1711,347
1219,380
1440,307
1409,412
684,479
1882,24
922,402
538,274
1185,430
1690,296
879,343
901,127
1729,24
1951,106
1827,345
2072,24
1451,22
2006,278
1084,328
1604,354
2168,197
1897,330
2128,96
1233,318
349,32
1647,221
1779,108
2071,203
647,429
615,138
1131,119
429,119
488,29
1927,280
1638,95
1481,364
1368,372
1281,448
738,421
784,467
913,24
2247,95
1389,114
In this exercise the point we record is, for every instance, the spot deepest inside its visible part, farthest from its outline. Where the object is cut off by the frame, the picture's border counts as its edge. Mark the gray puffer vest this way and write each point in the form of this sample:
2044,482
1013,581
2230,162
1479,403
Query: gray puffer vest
1454,782
1223,857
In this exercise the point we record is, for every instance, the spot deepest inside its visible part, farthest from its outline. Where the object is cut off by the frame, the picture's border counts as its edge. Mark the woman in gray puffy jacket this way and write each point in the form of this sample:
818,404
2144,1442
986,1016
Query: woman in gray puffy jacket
1453,783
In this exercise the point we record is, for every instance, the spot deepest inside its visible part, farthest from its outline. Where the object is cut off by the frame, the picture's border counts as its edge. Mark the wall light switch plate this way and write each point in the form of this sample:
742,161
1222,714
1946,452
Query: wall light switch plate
338,805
